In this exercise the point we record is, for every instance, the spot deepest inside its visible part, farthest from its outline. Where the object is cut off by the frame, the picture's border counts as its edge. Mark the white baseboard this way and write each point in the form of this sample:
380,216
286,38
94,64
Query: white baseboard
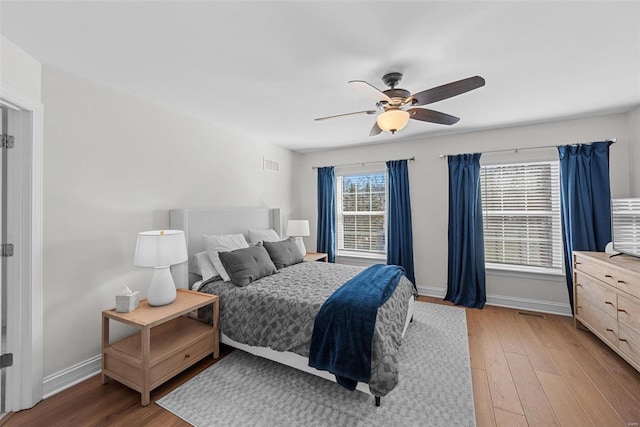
551,307
62,380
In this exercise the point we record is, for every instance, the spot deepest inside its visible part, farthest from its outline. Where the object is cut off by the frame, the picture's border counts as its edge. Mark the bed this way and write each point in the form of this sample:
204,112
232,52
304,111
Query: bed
281,329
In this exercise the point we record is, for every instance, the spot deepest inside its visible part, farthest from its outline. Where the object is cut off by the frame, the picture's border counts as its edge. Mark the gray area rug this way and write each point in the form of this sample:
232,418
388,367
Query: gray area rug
435,386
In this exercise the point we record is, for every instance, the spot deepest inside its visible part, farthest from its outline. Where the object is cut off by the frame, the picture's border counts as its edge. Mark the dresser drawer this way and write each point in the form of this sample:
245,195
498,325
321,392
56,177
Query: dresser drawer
629,311
595,270
629,343
599,294
627,283
597,320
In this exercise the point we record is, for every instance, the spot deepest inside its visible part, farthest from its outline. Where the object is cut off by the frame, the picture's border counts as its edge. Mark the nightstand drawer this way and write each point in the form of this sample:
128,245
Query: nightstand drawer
171,365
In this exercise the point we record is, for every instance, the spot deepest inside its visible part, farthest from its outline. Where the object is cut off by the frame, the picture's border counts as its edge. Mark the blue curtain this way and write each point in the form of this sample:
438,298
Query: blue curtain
326,241
585,201
399,231
466,271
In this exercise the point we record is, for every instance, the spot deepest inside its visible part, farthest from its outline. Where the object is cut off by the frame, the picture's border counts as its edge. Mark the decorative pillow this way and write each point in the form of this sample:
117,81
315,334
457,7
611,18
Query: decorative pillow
284,253
247,265
226,243
269,235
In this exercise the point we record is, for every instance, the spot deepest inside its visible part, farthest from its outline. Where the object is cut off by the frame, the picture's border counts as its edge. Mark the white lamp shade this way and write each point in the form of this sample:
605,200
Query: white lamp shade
160,248
298,228
392,120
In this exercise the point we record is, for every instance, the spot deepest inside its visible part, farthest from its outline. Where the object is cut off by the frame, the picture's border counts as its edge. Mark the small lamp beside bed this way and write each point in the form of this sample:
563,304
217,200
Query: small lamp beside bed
160,249
299,228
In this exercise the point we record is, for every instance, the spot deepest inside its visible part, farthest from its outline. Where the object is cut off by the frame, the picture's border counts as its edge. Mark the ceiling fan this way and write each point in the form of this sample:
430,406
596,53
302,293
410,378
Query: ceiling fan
398,105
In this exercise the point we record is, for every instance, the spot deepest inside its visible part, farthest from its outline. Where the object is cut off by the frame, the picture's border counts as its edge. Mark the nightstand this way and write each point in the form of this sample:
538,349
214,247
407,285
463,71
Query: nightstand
316,256
167,344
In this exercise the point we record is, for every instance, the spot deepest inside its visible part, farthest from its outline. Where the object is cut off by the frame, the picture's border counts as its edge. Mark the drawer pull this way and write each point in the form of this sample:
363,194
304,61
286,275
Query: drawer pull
622,310
608,302
186,356
622,282
578,285
578,263
622,339
608,276
609,330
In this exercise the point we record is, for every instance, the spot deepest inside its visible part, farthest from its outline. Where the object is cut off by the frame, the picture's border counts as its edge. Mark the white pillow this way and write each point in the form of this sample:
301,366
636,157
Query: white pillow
223,243
202,265
269,235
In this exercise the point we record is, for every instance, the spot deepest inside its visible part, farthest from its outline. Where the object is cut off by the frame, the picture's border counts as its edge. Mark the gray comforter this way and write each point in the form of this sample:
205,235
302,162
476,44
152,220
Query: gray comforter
278,312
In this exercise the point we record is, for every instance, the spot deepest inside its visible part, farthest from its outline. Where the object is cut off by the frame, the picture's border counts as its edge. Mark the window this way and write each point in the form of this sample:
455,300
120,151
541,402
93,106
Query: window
521,216
361,214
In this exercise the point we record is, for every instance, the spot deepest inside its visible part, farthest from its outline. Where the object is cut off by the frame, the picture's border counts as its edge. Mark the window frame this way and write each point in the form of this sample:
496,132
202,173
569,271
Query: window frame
355,253
556,252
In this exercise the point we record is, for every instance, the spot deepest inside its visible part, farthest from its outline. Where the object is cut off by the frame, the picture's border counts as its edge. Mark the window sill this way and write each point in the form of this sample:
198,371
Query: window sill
362,255
549,274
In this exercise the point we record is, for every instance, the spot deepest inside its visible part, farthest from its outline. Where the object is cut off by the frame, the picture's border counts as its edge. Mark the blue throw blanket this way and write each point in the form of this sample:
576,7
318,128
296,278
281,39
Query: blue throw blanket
343,329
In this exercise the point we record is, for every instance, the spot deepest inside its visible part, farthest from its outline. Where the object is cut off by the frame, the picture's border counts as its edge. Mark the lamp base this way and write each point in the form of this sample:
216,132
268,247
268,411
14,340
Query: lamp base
300,244
162,290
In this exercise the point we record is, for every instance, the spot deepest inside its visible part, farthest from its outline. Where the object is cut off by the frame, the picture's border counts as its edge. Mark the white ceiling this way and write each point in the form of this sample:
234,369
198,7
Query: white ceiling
267,68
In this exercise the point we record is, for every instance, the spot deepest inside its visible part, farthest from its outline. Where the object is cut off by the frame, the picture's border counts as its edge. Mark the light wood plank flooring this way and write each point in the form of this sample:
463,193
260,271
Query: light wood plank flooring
527,370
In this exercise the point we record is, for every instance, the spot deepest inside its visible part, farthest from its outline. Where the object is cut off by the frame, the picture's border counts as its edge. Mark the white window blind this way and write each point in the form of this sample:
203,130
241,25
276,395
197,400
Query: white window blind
521,216
361,213
625,218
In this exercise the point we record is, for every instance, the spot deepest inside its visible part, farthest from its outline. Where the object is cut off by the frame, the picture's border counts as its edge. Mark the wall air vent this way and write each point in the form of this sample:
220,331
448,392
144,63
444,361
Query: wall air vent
270,165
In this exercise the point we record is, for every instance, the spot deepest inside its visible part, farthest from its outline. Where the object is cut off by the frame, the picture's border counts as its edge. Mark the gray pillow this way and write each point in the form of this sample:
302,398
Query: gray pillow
284,253
247,265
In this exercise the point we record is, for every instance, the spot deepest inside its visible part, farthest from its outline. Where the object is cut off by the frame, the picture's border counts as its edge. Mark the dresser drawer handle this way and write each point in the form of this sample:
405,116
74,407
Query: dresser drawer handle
622,282
622,310
622,339
186,356
578,285
609,330
578,263
608,276
608,302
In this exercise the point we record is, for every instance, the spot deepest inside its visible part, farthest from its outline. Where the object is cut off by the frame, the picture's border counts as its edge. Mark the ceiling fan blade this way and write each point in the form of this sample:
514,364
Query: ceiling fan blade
447,91
375,130
369,91
347,114
432,116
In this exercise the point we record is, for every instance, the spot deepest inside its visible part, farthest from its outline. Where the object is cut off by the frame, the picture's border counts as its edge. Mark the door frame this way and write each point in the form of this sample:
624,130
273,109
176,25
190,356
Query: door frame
24,302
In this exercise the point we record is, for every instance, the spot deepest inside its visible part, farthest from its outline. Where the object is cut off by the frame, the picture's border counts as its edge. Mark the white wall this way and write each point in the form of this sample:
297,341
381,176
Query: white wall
19,70
113,166
634,157
428,176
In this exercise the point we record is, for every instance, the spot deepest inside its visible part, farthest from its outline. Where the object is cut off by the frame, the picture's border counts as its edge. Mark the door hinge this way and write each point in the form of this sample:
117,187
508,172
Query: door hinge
6,250
7,141
6,360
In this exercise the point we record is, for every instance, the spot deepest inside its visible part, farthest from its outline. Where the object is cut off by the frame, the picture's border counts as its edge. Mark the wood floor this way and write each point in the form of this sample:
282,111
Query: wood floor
527,369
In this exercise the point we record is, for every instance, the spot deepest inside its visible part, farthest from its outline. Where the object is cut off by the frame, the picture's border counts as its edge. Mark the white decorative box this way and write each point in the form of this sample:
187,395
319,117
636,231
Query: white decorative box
127,303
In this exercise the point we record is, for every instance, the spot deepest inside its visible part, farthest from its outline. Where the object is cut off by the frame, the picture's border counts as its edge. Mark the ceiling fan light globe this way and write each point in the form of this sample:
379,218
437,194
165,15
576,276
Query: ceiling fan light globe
393,120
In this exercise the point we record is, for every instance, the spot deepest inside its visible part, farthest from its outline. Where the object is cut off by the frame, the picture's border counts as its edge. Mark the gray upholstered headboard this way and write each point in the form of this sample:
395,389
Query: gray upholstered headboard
196,222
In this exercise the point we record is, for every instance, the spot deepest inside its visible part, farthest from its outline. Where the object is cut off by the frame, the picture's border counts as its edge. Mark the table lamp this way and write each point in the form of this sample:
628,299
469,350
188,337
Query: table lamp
299,228
160,249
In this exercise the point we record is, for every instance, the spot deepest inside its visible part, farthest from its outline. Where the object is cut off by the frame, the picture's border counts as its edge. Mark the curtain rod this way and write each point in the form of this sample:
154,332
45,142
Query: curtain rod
410,159
442,156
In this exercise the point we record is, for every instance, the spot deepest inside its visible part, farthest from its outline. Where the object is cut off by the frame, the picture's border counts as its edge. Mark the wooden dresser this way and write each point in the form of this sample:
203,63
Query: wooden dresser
606,295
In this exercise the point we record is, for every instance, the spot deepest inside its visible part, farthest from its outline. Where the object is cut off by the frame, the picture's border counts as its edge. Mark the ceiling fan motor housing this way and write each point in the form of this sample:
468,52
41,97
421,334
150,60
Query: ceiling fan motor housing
397,95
